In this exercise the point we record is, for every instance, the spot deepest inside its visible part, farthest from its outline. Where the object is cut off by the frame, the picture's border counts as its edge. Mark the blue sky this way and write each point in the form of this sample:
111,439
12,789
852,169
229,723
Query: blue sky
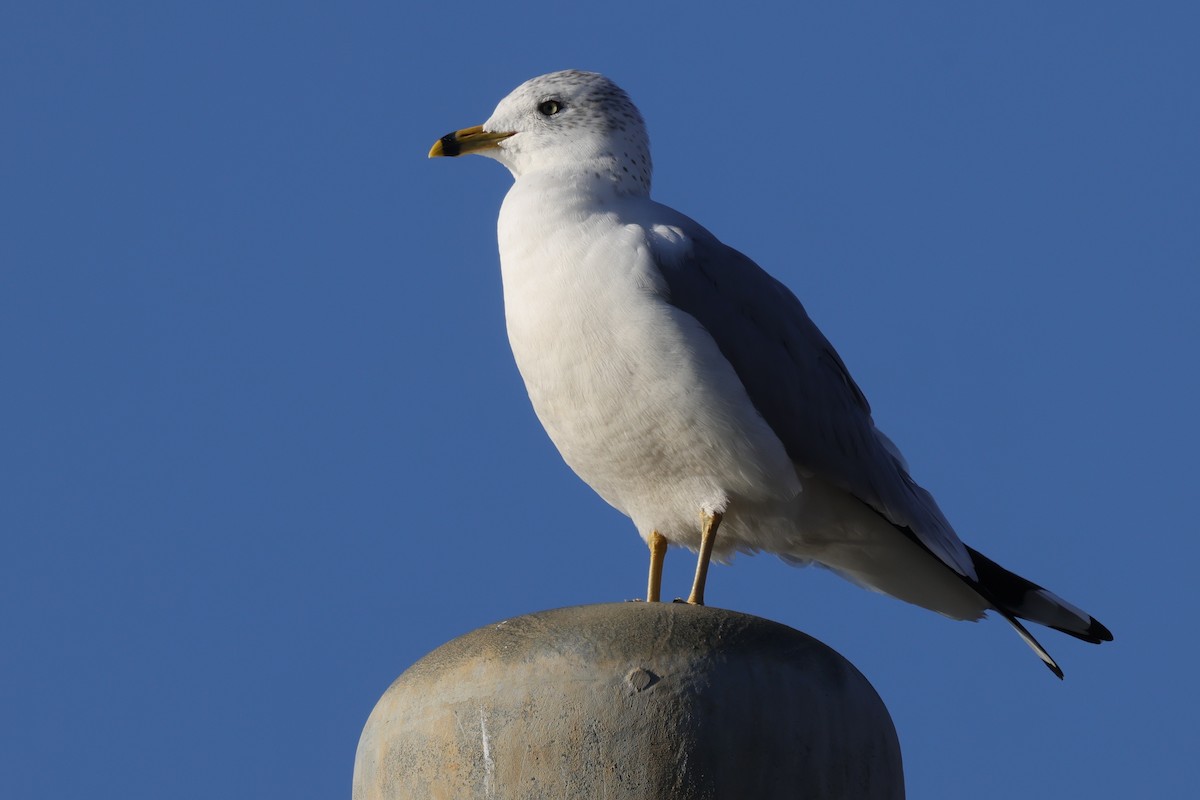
264,445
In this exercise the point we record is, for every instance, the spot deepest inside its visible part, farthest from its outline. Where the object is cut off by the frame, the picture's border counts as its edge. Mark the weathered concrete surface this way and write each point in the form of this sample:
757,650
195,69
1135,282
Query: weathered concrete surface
655,701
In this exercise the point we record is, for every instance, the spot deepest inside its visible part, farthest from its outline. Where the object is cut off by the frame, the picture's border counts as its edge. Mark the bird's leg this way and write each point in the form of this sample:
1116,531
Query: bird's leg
708,535
658,552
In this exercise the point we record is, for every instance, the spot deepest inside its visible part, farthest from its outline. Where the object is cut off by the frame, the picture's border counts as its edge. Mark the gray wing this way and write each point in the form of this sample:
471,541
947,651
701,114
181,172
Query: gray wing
799,384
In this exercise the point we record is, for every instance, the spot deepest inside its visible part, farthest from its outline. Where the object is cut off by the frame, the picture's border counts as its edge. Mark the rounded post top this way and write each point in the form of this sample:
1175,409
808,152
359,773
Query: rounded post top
630,700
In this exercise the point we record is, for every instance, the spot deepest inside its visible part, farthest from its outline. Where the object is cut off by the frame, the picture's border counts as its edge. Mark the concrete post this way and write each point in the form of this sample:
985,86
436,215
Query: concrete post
654,701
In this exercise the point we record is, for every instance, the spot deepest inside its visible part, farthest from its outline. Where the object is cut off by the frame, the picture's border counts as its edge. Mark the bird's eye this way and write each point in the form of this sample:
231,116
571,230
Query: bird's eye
548,108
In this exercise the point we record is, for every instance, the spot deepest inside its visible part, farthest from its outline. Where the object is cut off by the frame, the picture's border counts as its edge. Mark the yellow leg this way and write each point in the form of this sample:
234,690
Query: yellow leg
658,552
708,535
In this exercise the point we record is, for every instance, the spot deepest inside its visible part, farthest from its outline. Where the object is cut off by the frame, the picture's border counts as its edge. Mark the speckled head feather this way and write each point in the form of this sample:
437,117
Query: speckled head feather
573,121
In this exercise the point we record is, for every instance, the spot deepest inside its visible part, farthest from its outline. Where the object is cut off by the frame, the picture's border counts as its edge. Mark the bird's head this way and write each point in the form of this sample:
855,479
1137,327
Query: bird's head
566,122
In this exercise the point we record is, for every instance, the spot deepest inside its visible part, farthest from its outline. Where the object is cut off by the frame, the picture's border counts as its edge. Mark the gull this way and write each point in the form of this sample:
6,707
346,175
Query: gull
690,389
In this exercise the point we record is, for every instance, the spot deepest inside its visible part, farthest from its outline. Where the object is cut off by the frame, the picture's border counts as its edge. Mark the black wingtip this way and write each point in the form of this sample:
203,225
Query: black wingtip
1033,643
1095,633
1056,669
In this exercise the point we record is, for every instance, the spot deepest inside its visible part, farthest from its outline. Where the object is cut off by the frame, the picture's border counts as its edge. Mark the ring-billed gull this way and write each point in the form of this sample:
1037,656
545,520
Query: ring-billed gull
690,389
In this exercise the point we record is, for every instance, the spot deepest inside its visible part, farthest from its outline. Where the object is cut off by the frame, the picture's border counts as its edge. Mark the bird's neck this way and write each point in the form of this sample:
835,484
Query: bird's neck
543,208
594,178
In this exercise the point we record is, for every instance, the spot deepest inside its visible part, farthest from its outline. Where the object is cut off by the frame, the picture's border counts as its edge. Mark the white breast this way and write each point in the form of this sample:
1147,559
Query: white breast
633,392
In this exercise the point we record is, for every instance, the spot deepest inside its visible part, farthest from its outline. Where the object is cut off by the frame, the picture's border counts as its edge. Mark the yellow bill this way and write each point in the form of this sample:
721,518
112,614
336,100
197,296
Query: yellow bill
468,140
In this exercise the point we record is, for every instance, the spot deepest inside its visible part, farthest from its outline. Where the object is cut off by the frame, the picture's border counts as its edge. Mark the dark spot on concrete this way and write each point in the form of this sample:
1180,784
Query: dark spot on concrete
640,679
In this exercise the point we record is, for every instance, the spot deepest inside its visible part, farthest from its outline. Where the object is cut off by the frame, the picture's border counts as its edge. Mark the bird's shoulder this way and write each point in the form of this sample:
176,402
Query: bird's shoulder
742,305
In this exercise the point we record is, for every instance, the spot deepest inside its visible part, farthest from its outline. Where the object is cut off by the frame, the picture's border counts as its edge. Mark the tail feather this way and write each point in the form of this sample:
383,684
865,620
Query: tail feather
1033,643
1016,597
